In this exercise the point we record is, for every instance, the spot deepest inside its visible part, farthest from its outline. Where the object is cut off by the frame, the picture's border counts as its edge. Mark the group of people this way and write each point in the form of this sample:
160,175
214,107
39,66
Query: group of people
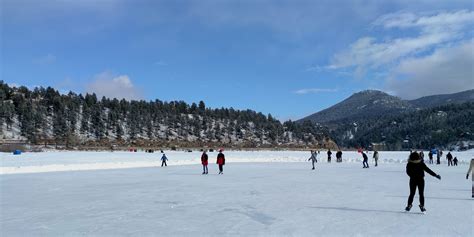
365,163
314,155
365,159
204,161
338,156
452,161
220,162
415,169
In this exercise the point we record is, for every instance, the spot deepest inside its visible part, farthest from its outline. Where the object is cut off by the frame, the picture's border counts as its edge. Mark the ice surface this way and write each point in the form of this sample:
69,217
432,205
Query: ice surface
75,161
250,199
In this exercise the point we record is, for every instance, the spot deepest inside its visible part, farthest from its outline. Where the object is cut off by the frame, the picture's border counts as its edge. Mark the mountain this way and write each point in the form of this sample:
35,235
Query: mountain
374,117
448,126
44,116
360,105
375,103
439,100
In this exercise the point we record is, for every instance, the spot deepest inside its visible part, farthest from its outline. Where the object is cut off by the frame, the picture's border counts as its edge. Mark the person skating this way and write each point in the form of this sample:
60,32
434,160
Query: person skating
204,162
471,168
430,156
376,157
366,160
416,169
163,160
313,158
422,156
329,155
450,159
455,161
221,161
438,157
339,156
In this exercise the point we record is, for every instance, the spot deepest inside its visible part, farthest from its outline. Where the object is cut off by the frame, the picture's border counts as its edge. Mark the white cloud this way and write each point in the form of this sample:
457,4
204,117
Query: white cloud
447,70
433,31
313,91
112,86
45,60
439,21
434,56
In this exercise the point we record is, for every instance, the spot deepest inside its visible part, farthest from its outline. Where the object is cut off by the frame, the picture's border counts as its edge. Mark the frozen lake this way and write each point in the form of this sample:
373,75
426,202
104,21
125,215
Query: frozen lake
260,198
75,161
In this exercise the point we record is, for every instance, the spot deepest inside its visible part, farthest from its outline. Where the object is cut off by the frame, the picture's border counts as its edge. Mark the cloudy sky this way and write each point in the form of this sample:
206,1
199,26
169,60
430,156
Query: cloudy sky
288,58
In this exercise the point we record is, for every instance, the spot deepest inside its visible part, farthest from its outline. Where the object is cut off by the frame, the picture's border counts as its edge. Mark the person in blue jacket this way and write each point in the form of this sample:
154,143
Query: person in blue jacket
163,160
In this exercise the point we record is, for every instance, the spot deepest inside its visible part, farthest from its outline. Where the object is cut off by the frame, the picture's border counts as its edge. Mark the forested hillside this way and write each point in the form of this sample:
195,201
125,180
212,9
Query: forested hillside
43,115
435,127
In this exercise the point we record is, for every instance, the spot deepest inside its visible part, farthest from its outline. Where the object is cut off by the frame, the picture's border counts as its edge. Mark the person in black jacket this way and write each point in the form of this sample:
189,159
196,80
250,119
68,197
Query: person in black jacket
339,156
204,162
430,155
366,160
221,161
439,154
450,159
329,155
416,170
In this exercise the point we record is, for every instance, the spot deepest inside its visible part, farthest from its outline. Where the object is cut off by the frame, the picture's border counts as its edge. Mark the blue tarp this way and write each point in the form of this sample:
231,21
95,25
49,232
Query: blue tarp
16,152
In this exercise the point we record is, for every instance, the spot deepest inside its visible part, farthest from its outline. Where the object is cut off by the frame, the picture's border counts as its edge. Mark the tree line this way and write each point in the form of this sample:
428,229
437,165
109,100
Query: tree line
43,115
423,129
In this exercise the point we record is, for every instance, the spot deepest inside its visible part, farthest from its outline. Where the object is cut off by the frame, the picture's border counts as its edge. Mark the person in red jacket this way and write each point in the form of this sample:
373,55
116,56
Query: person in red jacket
221,161
204,162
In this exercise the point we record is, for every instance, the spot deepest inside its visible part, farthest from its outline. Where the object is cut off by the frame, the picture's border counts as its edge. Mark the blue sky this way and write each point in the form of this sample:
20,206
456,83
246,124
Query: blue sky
287,58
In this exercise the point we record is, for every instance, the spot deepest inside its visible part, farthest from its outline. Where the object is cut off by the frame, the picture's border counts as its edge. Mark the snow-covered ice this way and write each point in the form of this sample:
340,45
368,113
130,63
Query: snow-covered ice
75,161
257,198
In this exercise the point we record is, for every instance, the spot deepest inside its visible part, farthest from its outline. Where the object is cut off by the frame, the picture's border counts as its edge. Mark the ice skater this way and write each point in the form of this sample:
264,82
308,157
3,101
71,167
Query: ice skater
366,160
329,155
449,157
313,158
430,156
163,160
422,156
376,157
438,156
416,169
221,161
471,168
204,162
455,161
339,156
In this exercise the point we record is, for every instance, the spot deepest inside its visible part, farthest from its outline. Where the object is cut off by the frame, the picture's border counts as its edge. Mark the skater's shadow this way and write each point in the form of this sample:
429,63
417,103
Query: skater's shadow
440,198
355,209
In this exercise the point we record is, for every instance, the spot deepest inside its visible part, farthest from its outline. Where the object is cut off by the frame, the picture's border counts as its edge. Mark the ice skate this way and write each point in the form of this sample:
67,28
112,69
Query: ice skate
422,209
